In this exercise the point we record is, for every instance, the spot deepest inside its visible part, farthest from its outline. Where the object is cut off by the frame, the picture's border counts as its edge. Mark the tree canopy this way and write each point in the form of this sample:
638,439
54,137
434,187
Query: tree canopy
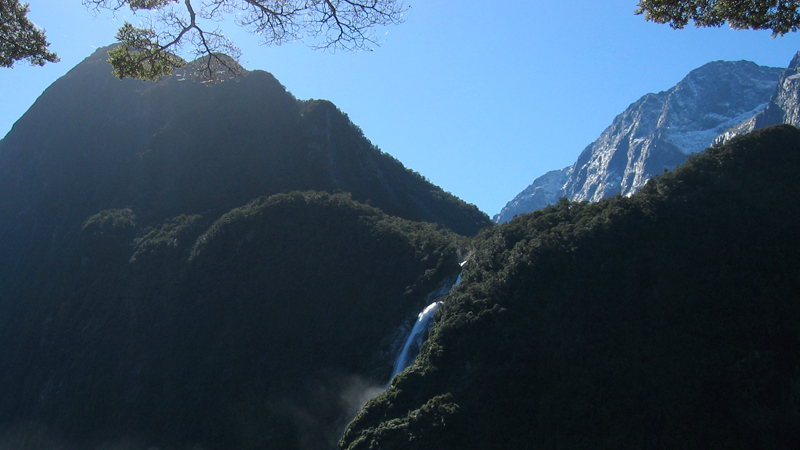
151,49
779,16
20,40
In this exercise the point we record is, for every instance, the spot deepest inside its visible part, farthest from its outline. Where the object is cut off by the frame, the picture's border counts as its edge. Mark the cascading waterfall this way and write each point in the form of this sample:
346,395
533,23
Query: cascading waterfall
419,332
415,339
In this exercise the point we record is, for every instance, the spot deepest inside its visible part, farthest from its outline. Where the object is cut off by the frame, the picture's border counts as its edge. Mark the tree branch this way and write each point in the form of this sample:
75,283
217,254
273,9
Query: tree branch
19,38
333,24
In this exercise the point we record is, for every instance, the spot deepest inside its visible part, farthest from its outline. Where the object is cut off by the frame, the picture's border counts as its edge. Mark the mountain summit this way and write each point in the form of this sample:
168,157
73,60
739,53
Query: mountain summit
92,142
655,133
184,146
783,106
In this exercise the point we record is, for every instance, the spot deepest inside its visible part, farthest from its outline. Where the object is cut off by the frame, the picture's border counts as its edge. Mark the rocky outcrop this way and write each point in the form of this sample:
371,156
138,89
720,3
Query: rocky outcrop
544,191
657,133
783,106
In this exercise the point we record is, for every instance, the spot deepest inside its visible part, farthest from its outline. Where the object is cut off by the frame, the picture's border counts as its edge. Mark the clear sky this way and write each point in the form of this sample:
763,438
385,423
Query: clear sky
479,97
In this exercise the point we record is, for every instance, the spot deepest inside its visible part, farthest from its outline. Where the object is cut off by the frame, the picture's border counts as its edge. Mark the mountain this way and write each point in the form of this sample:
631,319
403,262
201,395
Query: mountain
783,106
185,262
655,133
667,319
544,191
183,146
221,266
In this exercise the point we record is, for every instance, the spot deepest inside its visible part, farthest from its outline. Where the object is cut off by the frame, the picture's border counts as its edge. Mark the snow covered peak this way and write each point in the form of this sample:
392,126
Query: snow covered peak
657,132
783,105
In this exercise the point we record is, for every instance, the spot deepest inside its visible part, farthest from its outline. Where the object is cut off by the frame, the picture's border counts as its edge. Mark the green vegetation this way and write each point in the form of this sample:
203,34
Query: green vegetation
664,320
189,333
141,57
171,236
110,222
780,17
20,40
226,267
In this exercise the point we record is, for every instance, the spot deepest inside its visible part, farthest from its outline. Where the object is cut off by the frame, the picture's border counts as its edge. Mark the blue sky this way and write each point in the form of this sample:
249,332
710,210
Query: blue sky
479,97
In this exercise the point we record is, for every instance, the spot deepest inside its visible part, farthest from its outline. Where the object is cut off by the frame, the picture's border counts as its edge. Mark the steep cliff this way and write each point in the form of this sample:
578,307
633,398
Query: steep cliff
783,106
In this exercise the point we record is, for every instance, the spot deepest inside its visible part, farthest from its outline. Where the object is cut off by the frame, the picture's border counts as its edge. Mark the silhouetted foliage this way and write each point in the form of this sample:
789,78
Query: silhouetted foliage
149,52
780,17
20,40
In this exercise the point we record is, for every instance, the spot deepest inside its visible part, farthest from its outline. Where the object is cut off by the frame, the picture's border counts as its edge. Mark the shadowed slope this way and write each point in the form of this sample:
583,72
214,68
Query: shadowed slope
281,312
664,320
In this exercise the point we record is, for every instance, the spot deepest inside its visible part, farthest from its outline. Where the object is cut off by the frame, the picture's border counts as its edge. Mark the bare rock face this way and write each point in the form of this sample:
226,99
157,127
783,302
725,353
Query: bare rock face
783,106
658,132
544,191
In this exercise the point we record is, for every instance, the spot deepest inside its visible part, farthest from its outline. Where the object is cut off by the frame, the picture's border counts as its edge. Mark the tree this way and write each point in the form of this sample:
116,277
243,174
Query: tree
780,16
19,39
152,50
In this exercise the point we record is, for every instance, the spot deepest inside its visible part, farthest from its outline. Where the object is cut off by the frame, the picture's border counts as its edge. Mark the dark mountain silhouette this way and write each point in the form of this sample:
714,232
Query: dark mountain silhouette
92,142
263,330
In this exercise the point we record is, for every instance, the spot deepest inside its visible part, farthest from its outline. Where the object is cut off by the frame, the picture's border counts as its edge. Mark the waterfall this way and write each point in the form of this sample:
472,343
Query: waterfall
419,332
415,338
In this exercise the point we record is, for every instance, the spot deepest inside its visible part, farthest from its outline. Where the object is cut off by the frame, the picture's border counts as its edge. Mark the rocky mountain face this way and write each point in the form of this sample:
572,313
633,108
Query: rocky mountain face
182,263
545,190
655,133
783,106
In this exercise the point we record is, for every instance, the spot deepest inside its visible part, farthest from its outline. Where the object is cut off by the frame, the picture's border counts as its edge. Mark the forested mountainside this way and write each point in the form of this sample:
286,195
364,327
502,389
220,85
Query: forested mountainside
92,142
669,319
184,262
264,329
657,132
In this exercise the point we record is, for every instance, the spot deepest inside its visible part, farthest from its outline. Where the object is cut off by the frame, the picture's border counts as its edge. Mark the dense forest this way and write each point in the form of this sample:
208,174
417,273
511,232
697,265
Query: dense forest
665,320
280,312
